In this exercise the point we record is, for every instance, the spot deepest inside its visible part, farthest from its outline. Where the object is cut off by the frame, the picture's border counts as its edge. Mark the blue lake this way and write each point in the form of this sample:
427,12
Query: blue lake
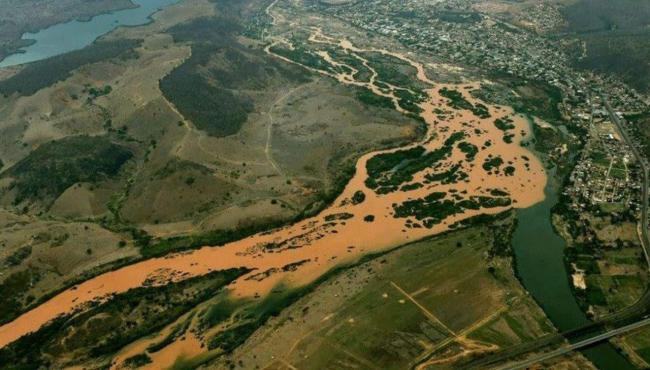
65,37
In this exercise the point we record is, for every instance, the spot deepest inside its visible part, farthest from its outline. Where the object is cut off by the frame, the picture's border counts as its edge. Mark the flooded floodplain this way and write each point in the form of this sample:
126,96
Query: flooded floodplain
474,169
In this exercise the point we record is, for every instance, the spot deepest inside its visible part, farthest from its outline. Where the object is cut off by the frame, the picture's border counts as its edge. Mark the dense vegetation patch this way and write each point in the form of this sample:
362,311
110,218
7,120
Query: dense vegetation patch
504,124
305,57
217,111
499,193
616,36
621,53
469,149
409,101
18,256
338,217
362,74
528,97
210,88
492,163
54,166
434,208
137,361
449,176
458,101
369,98
413,186
13,298
387,171
44,73
358,197
382,165
392,70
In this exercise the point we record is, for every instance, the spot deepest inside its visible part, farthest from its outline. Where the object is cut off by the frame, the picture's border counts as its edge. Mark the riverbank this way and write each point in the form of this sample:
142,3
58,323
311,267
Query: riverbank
540,265
77,34
297,255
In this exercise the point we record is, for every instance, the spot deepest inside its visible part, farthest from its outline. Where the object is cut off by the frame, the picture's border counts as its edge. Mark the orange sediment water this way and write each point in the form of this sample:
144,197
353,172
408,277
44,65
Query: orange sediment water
187,346
315,245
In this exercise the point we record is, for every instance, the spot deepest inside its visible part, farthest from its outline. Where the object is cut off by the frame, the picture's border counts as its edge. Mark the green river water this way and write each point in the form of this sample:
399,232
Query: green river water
539,260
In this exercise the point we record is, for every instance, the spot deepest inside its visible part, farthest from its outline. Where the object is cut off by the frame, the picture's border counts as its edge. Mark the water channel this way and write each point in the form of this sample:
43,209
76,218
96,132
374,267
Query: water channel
539,255
538,249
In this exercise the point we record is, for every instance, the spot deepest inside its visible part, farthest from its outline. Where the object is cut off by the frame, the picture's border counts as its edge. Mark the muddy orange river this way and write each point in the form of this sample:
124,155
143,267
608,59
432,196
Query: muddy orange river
316,245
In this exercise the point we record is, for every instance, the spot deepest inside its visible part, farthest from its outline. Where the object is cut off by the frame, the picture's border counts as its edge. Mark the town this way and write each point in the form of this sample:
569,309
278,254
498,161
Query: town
603,176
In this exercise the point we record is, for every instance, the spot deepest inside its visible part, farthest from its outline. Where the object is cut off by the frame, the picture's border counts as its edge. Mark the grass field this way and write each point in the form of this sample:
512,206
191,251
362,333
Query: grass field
637,346
441,296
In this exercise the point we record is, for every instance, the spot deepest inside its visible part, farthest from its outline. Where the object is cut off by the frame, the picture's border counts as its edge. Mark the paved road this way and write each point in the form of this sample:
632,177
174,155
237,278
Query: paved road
645,243
645,240
578,345
639,311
